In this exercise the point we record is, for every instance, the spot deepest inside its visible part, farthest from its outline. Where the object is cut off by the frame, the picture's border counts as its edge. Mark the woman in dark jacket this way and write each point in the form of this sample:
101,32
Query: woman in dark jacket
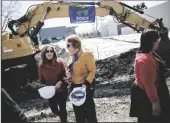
150,100
52,72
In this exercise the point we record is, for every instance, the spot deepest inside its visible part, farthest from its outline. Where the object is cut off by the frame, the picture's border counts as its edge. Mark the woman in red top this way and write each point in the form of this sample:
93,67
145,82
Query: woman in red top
52,72
150,100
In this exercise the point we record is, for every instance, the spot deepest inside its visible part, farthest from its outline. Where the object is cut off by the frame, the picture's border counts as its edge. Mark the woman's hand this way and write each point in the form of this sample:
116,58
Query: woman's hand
156,109
68,73
58,85
68,78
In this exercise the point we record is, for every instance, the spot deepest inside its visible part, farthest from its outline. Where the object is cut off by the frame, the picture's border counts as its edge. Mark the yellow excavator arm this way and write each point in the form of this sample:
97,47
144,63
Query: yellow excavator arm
123,13
48,10
23,41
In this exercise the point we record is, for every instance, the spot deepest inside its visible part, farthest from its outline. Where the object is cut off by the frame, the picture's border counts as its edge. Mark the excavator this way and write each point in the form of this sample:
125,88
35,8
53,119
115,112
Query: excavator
21,45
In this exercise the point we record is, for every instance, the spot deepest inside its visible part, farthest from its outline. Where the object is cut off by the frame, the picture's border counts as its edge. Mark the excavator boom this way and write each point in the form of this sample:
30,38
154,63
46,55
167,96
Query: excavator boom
59,10
125,14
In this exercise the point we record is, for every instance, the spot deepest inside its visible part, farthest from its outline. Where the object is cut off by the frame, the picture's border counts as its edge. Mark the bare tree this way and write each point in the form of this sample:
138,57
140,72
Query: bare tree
9,11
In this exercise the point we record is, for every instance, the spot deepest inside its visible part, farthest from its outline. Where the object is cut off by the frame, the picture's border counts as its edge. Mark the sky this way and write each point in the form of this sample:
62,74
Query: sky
24,5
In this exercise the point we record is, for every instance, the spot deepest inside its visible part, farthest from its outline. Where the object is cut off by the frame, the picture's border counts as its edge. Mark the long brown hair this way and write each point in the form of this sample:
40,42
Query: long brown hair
43,56
147,40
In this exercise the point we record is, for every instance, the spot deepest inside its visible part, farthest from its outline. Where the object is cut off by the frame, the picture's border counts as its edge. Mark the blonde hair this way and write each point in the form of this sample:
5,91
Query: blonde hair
75,40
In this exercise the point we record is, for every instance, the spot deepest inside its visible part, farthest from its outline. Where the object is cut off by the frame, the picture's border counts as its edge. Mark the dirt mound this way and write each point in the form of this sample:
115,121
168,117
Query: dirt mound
115,75
116,65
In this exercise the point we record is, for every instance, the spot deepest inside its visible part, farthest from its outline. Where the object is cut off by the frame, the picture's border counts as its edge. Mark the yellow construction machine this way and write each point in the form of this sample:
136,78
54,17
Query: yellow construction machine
21,45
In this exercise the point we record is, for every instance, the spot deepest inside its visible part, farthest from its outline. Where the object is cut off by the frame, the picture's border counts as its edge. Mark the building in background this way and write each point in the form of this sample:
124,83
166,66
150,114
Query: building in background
53,34
71,30
159,11
48,33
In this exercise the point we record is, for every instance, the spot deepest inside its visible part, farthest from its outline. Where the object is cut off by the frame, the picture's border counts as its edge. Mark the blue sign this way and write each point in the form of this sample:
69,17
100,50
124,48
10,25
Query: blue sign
82,14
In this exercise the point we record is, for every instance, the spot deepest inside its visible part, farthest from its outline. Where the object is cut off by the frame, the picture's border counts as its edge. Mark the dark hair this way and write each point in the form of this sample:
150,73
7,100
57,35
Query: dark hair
75,40
43,56
147,40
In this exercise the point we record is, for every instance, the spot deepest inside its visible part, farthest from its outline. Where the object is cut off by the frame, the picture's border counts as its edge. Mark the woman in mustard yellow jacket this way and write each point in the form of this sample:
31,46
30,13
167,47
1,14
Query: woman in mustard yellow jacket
83,70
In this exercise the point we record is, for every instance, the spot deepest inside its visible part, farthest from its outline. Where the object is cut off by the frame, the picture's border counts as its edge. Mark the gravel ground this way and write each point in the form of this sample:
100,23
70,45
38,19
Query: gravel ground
112,105
113,109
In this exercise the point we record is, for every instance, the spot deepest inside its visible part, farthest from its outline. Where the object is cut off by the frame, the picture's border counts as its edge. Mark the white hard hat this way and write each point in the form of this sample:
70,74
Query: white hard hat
78,96
47,92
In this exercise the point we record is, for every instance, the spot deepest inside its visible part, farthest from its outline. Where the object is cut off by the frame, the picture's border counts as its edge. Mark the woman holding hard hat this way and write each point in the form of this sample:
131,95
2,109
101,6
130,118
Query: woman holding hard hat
83,70
52,73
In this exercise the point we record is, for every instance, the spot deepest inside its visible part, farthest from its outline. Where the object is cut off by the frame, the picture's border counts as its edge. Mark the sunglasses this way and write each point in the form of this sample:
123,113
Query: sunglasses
47,51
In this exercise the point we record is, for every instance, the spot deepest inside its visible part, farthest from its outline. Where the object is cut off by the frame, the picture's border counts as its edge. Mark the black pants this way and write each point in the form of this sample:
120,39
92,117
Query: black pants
87,111
58,105
141,107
